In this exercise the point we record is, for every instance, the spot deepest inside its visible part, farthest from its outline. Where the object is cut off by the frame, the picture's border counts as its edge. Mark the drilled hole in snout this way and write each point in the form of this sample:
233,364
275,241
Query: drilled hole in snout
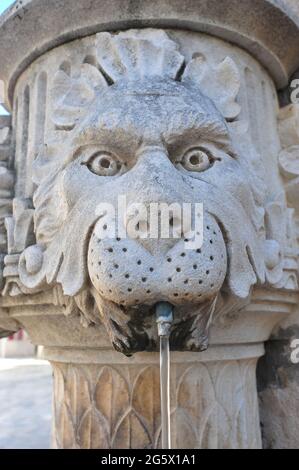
198,250
129,289
169,260
148,291
144,279
151,270
125,250
139,262
169,279
178,270
127,276
186,281
212,258
183,255
110,250
116,266
195,266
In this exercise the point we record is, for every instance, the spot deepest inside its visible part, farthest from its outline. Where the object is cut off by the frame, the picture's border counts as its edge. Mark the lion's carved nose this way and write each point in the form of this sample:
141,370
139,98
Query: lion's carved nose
157,226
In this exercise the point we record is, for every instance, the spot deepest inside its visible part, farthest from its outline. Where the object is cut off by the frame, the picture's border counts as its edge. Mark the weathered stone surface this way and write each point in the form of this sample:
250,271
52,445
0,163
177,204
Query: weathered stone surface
118,405
158,116
260,26
278,376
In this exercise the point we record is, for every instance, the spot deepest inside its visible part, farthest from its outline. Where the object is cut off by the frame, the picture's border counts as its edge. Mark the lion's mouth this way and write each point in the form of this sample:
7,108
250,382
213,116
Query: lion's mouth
125,272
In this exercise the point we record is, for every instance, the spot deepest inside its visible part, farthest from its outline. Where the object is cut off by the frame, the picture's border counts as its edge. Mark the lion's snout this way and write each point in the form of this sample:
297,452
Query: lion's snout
127,272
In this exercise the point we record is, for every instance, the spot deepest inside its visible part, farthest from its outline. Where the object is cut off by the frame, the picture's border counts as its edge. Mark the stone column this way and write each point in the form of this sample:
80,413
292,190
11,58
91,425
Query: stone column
173,105
278,371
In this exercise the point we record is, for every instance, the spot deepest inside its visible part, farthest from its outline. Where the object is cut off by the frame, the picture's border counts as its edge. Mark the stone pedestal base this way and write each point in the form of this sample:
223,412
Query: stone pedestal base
213,399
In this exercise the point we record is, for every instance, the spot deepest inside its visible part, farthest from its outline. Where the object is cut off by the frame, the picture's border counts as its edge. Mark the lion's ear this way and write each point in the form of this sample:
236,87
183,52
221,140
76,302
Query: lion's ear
70,96
221,83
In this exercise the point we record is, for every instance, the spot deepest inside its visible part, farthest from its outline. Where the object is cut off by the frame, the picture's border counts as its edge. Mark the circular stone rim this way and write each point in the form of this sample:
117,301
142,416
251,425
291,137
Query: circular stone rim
267,29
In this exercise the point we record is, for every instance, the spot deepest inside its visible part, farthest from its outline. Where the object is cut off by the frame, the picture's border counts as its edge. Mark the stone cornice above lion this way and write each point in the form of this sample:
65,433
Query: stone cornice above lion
141,121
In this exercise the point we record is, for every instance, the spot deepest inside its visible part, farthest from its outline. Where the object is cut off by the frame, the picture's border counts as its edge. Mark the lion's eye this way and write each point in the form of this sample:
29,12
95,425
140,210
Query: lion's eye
196,160
104,164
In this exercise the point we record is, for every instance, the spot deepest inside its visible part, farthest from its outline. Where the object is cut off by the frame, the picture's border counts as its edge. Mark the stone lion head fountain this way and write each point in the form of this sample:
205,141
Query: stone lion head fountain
141,122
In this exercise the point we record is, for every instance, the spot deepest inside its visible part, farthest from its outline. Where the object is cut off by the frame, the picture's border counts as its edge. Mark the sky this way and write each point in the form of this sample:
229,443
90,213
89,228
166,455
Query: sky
3,5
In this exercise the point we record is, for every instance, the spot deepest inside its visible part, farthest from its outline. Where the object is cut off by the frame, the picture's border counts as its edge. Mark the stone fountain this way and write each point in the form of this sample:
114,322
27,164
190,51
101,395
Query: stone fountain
158,102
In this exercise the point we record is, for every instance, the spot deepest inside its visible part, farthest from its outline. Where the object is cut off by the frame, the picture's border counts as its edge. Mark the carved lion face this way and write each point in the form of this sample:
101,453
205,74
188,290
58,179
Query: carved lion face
153,140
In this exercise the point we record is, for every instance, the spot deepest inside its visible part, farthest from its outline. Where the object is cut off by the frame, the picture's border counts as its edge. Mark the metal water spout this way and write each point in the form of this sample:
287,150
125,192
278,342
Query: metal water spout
164,318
